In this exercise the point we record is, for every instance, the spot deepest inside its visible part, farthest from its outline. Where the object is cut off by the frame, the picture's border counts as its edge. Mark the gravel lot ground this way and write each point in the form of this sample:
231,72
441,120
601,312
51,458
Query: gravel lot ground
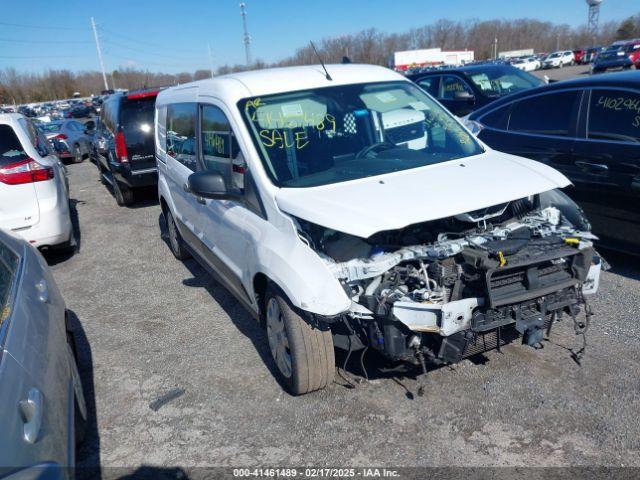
149,324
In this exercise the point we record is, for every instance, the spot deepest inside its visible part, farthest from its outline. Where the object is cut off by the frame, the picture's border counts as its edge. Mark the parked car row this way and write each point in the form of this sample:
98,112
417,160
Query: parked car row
623,54
619,56
49,111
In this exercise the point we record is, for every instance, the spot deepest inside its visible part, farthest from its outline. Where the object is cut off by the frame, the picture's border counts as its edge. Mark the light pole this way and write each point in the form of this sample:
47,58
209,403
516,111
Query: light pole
247,37
95,35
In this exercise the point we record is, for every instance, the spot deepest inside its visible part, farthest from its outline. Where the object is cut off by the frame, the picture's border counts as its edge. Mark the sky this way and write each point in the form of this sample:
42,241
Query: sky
173,35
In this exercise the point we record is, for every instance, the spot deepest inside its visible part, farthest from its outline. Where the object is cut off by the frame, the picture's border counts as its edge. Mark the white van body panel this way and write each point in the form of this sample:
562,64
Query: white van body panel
379,203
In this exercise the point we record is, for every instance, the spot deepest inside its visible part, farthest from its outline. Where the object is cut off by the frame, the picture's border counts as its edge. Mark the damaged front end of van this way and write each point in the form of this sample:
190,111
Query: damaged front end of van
446,289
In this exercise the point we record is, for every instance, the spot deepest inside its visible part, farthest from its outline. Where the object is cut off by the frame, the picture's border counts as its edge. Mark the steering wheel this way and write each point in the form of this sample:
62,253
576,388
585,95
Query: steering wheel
374,147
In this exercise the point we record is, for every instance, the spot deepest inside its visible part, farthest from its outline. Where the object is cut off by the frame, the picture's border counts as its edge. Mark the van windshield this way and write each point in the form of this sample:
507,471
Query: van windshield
335,134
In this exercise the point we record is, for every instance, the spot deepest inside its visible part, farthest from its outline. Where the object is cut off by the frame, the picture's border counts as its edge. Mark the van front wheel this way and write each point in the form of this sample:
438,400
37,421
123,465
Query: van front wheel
302,352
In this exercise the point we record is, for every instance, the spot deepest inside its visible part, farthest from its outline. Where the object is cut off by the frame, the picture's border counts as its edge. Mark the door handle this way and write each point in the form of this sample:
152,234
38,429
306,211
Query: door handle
31,412
593,167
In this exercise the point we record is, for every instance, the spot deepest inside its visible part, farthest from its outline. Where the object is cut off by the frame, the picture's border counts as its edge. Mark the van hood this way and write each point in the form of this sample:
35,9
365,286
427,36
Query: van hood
392,201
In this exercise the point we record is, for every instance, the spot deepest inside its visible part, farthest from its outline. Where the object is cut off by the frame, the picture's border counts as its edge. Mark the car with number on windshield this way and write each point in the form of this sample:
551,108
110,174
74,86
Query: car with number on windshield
465,89
346,209
588,129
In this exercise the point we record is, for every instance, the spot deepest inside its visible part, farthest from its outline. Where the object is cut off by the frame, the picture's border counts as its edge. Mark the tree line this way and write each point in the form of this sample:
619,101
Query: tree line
367,46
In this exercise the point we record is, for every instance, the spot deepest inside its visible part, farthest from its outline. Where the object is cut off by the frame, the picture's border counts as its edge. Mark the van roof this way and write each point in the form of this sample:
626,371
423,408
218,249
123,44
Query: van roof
10,118
236,86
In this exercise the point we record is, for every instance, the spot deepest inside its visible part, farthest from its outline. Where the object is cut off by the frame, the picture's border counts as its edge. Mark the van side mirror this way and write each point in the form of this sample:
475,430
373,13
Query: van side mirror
209,184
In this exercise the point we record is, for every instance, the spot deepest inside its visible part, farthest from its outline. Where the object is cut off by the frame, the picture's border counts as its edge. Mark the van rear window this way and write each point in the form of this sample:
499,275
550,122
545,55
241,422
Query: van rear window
137,119
11,151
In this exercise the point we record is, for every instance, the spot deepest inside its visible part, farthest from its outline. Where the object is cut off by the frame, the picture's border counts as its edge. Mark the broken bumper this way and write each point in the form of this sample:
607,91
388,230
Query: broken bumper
524,286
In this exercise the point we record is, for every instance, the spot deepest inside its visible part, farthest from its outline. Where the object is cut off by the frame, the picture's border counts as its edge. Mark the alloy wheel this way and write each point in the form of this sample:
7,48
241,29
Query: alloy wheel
278,340
173,233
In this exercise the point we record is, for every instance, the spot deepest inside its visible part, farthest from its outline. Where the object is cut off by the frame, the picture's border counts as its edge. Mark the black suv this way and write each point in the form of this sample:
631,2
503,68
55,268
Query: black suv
465,89
128,159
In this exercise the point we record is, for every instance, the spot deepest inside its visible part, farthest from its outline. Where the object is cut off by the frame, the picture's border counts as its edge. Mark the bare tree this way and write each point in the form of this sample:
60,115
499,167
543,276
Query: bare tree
366,46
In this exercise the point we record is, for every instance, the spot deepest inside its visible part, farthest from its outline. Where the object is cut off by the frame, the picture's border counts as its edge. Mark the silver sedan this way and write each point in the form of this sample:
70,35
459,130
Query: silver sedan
71,139
41,399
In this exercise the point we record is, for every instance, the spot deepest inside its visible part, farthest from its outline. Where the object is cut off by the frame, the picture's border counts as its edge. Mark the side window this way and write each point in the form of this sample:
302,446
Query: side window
497,119
181,133
108,109
220,150
614,115
429,84
550,114
104,118
450,85
161,128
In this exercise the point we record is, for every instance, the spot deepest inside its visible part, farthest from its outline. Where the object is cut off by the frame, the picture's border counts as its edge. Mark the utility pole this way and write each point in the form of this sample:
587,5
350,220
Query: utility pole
247,37
495,48
95,35
210,59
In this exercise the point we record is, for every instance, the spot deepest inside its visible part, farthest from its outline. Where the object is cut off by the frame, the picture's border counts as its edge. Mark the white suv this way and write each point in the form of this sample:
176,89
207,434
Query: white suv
559,59
346,208
34,194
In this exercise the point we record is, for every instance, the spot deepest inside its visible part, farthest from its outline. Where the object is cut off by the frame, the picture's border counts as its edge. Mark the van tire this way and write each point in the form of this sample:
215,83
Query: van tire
123,194
176,243
309,348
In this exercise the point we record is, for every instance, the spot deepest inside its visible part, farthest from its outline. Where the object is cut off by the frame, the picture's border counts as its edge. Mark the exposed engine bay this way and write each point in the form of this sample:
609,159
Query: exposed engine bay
444,290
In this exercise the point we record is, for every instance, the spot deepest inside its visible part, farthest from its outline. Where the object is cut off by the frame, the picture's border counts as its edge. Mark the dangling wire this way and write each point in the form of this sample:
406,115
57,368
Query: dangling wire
581,327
